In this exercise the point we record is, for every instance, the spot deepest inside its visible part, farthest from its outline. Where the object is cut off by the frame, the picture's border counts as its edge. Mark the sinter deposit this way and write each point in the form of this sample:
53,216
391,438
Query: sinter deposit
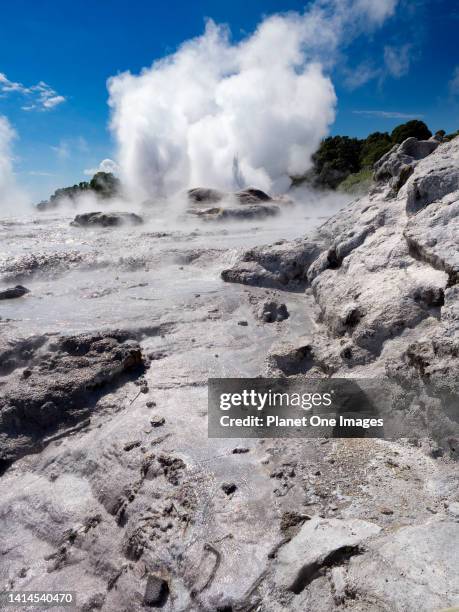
110,485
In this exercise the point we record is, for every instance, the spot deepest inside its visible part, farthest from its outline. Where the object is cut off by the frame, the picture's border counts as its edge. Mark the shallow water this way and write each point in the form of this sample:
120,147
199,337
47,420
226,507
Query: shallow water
86,278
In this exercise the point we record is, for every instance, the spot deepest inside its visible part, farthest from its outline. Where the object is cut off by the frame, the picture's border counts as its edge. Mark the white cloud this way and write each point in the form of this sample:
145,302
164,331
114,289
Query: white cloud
53,101
376,11
62,150
39,173
106,165
11,198
38,97
454,82
67,147
265,99
397,60
360,75
387,114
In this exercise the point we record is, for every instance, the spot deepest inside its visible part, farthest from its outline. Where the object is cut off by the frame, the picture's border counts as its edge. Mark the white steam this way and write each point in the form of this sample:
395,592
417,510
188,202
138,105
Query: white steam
221,114
12,200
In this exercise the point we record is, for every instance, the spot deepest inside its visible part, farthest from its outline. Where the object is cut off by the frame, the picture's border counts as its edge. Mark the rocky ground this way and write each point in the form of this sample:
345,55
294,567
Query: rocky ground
110,485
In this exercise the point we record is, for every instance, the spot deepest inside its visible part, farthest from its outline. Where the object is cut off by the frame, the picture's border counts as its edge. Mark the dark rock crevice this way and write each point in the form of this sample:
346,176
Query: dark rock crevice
310,572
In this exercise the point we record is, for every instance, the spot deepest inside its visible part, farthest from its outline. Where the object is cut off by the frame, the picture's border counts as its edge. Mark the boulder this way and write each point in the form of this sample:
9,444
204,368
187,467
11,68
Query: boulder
252,196
397,164
112,219
241,213
13,292
274,266
205,195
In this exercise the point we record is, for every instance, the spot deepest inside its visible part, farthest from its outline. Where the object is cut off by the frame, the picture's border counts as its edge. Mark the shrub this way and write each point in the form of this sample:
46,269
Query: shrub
357,183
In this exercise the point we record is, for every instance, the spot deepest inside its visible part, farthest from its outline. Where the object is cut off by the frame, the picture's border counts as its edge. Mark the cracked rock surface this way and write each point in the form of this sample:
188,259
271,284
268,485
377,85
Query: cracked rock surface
111,486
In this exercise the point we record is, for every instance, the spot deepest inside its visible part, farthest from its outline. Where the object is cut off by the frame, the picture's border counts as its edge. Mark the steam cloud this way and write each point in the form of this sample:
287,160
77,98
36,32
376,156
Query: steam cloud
11,199
220,114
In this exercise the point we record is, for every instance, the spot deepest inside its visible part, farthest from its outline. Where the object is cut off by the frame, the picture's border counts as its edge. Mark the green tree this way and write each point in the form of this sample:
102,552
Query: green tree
105,184
374,147
417,129
336,158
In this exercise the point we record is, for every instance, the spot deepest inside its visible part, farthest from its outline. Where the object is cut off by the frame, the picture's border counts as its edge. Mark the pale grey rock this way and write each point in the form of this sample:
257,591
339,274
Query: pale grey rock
415,569
424,190
453,509
319,543
433,178
433,235
401,157
274,266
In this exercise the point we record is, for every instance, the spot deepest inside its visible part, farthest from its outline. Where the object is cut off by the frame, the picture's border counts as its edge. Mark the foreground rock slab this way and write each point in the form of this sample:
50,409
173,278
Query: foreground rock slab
54,383
416,568
320,543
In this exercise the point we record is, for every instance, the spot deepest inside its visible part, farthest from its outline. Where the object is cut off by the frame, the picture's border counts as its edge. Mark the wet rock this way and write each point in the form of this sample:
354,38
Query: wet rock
247,212
201,195
156,592
252,196
13,292
101,219
320,543
272,312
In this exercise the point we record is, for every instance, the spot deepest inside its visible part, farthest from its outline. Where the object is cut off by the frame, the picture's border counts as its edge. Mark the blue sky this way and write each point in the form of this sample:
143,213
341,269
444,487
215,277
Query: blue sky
407,67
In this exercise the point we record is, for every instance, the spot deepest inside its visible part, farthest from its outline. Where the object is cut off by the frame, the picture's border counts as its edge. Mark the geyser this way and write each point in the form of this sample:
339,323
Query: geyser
220,113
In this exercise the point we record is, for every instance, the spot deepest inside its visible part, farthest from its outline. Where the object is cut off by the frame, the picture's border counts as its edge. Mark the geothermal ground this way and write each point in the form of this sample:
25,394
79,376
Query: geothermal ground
110,486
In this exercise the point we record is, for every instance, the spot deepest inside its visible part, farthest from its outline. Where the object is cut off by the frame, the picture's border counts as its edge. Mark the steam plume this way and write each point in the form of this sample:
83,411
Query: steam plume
11,199
265,102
